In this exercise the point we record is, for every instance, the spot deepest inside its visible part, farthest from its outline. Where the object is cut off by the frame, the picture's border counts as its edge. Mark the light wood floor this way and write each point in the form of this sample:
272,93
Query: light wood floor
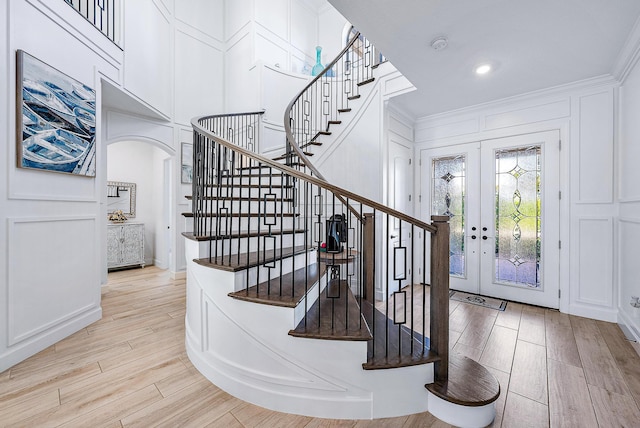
130,369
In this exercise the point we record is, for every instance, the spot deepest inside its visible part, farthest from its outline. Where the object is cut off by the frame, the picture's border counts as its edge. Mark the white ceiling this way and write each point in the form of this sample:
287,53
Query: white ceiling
532,44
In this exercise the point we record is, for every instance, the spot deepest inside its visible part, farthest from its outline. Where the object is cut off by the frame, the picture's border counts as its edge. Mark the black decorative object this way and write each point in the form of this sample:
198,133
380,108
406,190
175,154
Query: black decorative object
336,233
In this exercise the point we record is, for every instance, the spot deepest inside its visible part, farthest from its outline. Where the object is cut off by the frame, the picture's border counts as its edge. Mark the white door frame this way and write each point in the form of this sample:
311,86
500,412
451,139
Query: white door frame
551,209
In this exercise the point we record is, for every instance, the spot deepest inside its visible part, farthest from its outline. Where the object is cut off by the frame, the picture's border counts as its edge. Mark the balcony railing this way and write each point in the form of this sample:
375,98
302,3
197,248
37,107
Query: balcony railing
103,14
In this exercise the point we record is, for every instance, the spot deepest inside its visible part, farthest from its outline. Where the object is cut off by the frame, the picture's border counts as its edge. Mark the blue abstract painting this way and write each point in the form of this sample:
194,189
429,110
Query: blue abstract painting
56,119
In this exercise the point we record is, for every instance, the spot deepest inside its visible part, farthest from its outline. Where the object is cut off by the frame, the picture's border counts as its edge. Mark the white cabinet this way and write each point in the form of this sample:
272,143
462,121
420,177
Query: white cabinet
125,245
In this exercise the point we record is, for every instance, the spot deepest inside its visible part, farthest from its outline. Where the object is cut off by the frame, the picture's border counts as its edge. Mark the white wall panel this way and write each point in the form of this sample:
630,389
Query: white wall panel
50,279
594,280
273,139
629,153
198,79
536,113
274,16
241,92
203,15
594,156
278,89
271,52
237,14
330,28
464,126
401,128
304,31
148,71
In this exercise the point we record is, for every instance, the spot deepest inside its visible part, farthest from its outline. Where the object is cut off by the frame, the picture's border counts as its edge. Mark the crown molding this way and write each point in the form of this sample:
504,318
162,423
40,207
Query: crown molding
628,55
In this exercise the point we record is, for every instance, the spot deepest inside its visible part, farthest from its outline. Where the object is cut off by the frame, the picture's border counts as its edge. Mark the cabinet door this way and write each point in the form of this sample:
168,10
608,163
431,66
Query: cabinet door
114,253
132,248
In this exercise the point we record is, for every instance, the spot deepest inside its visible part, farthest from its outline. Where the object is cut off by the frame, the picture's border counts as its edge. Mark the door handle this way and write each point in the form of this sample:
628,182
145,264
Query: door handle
393,236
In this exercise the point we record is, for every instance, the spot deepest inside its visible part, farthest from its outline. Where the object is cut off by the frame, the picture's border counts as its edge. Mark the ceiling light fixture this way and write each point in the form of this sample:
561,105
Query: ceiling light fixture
483,69
439,43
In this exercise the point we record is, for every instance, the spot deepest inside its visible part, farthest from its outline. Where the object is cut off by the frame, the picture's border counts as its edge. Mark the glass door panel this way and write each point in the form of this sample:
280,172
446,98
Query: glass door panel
447,198
518,216
520,210
451,187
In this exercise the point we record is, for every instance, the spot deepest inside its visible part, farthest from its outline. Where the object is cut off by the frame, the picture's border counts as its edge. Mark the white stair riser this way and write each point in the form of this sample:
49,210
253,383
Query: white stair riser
230,246
254,192
246,206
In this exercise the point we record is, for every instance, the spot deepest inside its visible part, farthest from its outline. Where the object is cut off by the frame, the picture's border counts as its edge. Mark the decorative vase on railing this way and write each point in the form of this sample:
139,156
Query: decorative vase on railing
317,69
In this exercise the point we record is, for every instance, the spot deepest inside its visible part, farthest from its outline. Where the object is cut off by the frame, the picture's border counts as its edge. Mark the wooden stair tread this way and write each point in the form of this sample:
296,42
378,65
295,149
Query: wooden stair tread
251,234
243,261
396,356
287,292
251,185
344,110
346,323
243,215
334,122
366,82
285,156
353,97
311,143
469,383
238,198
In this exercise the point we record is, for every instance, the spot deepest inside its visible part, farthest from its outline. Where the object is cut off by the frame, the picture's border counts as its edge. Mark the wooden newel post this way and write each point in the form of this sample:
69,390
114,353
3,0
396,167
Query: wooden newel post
439,312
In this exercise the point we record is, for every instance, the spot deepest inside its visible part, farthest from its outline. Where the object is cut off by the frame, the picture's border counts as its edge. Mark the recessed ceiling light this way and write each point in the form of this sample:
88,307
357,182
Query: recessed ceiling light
483,69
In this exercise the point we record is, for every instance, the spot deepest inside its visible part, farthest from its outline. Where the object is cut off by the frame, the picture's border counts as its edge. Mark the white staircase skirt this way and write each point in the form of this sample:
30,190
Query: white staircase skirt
244,348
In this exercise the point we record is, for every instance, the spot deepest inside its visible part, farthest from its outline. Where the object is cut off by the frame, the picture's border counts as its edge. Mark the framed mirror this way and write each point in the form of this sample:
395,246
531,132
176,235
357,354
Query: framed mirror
121,196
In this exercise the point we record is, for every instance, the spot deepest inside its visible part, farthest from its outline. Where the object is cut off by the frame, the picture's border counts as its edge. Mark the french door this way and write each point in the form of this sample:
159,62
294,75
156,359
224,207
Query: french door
502,197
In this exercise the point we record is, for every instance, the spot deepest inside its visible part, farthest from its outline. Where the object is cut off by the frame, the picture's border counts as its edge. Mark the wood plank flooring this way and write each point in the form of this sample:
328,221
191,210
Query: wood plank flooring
130,369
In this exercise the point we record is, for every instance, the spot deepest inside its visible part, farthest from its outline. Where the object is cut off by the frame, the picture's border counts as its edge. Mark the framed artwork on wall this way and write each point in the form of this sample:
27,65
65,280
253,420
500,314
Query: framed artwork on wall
56,119
186,174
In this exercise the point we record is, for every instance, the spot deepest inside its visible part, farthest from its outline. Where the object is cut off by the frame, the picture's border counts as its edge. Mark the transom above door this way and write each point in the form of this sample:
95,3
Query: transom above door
502,198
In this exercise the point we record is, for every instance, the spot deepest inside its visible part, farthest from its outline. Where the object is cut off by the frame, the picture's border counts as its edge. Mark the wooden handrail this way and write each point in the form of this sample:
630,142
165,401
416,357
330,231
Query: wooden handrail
320,182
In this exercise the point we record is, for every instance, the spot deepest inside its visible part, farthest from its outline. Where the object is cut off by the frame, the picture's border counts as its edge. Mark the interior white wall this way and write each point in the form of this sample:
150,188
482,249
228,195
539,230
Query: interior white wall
142,164
331,26
628,227
584,114
279,34
39,208
48,220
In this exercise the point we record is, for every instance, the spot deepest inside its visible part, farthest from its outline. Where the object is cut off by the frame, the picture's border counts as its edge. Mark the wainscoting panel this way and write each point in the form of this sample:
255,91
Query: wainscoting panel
536,113
454,128
594,164
51,280
594,279
192,96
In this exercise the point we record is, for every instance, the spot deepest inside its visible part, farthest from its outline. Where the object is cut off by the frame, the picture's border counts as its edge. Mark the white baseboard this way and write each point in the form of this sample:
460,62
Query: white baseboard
179,275
633,325
32,346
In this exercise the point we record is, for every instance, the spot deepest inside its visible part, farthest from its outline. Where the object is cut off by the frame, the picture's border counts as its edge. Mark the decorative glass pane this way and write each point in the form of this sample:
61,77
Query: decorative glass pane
518,216
448,190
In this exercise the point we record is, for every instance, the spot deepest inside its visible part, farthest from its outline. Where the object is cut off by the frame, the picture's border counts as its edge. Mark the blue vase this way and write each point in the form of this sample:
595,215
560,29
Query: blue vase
317,69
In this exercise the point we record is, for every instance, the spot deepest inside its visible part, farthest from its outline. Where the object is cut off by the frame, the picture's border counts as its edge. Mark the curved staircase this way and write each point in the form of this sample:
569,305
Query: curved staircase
295,300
